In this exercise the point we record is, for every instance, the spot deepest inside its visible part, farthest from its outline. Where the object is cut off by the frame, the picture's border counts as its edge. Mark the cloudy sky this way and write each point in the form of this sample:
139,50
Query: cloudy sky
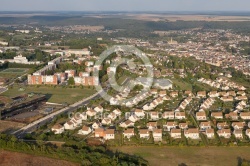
124,5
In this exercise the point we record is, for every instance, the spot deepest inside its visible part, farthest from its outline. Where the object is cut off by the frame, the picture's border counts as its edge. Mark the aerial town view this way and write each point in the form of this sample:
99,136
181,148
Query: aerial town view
125,83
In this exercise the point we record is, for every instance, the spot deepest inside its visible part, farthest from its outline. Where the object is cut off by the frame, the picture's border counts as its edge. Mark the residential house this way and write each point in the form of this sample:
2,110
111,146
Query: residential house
154,115
117,112
238,133
166,98
174,94
226,133
222,125
98,109
231,93
84,116
227,98
188,93
242,93
139,113
210,133
77,120
57,129
144,133
91,113
154,91
85,130
152,125
192,133
148,107
238,125
168,115
245,115
133,118
69,125
128,133
213,94
96,125
109,134
223,94
180,115
99,132
127,124
169,126
217,115
248,133
241,98
175,133
106,121
202,94
162,93
157,135
201,116
232,115
205,125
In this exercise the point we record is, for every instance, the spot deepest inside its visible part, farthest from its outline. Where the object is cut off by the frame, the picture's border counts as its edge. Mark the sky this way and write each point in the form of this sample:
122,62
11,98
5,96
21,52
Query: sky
124,5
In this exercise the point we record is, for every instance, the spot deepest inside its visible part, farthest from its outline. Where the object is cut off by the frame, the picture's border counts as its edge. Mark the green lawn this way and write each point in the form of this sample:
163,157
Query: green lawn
209,156
181,84
54,94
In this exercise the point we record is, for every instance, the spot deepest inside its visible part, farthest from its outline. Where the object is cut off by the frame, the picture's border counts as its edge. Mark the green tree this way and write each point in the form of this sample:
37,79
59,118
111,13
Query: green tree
71,81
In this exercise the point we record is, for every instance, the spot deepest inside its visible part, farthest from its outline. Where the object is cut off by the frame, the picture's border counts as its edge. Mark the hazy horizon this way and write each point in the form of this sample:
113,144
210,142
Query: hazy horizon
125,6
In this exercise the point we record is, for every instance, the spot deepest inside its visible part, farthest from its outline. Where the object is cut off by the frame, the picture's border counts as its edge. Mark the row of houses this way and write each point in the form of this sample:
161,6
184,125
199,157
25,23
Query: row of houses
200,116
222,83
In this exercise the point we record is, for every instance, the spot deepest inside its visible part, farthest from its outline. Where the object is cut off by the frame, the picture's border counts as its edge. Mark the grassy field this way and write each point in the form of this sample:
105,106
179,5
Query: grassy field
182,85
205,156
54,94
13,72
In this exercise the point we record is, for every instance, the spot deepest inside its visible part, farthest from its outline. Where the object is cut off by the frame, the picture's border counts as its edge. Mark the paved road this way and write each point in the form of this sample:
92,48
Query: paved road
36,124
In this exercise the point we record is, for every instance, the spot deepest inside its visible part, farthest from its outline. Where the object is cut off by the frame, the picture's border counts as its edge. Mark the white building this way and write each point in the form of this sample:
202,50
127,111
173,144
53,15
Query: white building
175,133
85,130
57,129
192,133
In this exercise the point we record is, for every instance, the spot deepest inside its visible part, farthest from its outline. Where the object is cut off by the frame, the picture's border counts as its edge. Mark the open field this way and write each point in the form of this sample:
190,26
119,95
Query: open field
53,94
205,156
182,85
8,158
11,73
14,70
7,126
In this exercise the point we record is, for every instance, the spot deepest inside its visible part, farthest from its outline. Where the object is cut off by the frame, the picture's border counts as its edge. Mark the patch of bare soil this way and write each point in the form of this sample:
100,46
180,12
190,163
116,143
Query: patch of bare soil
13,158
